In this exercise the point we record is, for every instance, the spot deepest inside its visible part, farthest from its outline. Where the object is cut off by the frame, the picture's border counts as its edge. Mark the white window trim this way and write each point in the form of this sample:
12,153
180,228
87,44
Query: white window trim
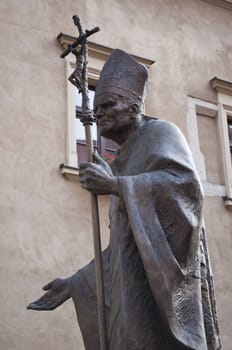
71,148
97,57
224,138
224,93
221,111
197,106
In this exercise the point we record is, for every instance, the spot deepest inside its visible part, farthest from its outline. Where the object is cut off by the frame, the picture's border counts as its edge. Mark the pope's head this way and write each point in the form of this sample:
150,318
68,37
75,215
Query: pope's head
119,94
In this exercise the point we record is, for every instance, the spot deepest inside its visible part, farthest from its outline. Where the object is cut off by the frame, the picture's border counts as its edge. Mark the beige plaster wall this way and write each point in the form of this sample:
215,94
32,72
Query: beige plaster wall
44,219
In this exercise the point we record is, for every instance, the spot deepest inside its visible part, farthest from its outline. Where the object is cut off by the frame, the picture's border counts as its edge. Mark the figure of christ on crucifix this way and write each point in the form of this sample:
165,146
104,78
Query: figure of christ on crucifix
158,283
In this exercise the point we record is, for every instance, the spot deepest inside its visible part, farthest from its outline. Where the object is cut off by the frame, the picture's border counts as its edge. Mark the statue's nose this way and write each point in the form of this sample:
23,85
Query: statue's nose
99,112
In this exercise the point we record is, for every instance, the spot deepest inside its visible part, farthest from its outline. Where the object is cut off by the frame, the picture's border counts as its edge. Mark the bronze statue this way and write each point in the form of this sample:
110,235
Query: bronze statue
158,283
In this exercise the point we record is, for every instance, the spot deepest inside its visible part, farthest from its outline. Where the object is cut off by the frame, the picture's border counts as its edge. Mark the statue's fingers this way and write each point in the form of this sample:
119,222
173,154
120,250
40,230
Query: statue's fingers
83,166
83,179
98,159
82,172
86,171
36,302
30,306
35,306
48,305
42,299
48,285
42,305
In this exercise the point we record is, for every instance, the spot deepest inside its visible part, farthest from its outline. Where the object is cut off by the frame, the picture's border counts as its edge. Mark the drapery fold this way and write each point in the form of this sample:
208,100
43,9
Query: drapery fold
158,283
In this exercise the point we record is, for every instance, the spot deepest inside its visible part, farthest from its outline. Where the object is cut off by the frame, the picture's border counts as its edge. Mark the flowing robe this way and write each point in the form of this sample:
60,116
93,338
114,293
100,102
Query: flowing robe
159,291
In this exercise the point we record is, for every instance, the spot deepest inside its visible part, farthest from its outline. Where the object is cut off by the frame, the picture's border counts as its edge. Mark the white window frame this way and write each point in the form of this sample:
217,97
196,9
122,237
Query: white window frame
98,54
221,111
224,94
71,148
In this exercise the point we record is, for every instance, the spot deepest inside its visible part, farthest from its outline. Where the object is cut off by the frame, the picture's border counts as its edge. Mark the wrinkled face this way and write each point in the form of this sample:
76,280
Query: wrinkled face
112,115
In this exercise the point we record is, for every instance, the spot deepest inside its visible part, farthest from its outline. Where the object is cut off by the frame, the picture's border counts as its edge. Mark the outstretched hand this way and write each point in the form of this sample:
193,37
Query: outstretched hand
97,177
58,291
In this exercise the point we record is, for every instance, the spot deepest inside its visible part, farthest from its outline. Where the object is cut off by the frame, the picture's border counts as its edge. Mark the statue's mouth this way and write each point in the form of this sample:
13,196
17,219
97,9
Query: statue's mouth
103,120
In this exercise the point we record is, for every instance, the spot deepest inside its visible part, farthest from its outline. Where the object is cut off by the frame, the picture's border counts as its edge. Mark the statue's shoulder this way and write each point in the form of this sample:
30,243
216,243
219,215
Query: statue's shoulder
161,127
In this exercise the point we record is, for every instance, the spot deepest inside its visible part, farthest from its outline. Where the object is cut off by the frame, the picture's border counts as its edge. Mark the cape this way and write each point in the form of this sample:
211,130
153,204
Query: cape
158,281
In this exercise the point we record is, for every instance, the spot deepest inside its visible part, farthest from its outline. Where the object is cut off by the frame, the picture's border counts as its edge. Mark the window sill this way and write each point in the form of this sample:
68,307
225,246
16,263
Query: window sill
69,172
228,202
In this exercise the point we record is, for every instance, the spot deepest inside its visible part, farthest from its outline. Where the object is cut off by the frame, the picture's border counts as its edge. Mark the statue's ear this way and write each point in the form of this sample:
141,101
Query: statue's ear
134,109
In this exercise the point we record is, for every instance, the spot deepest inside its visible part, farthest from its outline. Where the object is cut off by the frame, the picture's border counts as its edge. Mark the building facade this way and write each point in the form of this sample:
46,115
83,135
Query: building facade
45,215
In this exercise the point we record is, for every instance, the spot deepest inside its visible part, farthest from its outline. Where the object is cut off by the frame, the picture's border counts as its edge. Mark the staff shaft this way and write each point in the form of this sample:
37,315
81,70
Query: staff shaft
97,253
95,213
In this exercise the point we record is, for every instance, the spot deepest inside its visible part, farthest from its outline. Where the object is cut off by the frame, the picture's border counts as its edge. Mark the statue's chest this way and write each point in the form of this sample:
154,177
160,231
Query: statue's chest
132,161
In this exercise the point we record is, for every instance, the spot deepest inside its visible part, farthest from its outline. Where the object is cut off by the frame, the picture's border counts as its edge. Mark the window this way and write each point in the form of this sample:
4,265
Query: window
224,93
221,113
230,135
75,144
202,115
106,148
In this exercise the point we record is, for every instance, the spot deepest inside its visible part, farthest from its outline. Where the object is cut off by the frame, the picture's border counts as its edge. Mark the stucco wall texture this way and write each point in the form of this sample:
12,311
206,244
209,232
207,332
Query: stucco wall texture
44,219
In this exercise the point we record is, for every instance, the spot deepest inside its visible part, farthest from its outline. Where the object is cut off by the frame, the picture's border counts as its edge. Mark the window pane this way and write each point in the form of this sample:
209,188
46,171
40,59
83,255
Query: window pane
80,130
106,148
230,133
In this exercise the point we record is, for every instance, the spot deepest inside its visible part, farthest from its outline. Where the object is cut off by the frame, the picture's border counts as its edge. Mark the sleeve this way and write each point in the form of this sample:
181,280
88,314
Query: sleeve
83,293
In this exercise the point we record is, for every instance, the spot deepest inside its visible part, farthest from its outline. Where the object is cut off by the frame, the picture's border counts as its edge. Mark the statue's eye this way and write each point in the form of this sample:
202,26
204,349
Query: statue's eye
105,105
108,104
